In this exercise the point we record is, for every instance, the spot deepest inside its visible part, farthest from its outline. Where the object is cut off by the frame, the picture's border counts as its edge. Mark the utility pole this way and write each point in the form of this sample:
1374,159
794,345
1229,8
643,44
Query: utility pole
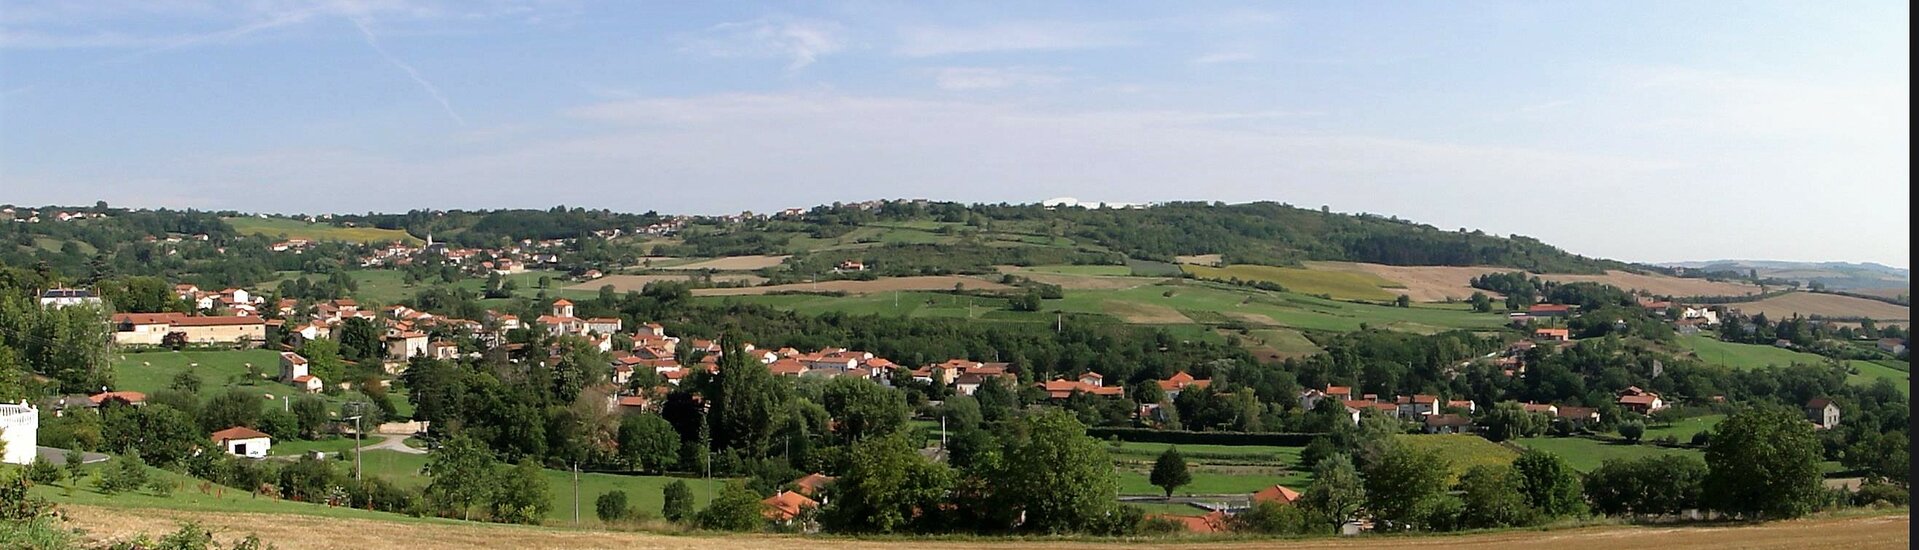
356,446
576,493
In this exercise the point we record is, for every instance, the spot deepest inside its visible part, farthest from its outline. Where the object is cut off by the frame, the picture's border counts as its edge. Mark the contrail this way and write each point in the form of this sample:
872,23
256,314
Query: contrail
432,90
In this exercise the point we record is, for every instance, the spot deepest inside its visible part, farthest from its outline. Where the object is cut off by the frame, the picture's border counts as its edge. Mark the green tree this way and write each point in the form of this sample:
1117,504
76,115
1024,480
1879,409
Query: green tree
886,484
229,409
1404,486
128,473
186,381
1653,485
745,401
520,494
648,442
324,360
678,501
611,507
159,434
996,401
1763,462
1403,301
1493,497
462,475
359,342
1169,471
310,414
1885,456
1273,518
1550,485
1510,421
1632,430
1062,479
735,509
1337,492
961,412
1481,302
863,408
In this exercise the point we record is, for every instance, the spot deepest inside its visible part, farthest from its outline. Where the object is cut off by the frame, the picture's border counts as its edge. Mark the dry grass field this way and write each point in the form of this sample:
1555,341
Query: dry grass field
624,283
734,263
1827,305
1201,259
941,282
1661,284
1081,282
298,532
1422,283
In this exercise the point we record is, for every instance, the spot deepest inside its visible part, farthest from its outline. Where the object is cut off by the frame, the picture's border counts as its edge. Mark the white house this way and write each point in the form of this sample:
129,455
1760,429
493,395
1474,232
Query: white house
292,366
19,432
62,297
243,442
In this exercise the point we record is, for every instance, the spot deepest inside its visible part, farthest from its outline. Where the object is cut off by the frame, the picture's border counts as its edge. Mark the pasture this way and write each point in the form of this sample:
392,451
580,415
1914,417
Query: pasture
643,492
296,229
636,283
1341,285
151,371
1586,454
1745,356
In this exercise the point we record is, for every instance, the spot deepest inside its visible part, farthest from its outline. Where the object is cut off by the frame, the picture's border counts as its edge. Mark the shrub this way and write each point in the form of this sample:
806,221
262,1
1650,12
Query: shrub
127,474
611,507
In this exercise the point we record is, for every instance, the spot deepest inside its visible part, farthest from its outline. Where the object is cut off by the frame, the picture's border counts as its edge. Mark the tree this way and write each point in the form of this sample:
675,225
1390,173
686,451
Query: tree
1273,518
1632,430
1654,485
1493,497
186,381
323,360
1549,484
229,409
1336,492
1511,421
310,413
1403,301
128,473
863,408
1317,450
678,501
1169,471
521,494
648,442
1062,479
611,507
1481,302
735,509
158,434
886,484
462,475
359,341
1763,462
1884,456
745,401
1404,485
996,401
961,412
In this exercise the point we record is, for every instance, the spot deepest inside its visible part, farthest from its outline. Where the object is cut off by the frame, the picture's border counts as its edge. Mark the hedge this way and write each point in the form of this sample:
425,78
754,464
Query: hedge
1147,435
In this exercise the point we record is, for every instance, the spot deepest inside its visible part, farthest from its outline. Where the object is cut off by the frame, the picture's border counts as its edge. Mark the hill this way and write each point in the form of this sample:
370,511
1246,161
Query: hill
1834,275
296,229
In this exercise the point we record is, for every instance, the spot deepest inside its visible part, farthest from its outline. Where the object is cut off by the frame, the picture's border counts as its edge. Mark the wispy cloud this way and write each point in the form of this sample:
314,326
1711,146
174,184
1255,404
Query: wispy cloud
1545,106
993,78
1216,58
431,90
800,41
1006,37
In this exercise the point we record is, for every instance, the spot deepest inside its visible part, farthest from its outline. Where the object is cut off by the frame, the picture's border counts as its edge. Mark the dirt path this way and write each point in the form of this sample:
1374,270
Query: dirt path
395,443
297,532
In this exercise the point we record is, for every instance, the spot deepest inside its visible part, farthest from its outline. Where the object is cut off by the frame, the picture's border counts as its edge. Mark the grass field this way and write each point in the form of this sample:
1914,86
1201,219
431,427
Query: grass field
1870,371
1099,270
152,371
1207,481
1684,429
1754,356
295,229
643,492
1587,454
1142,451
1343,285
187,496
876,286
1462,451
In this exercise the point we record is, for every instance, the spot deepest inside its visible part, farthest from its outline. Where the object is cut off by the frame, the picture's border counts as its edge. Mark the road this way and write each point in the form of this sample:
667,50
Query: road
395,443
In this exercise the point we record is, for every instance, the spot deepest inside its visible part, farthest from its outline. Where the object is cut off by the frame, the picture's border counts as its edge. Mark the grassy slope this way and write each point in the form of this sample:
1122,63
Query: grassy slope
1586,454
152,371
1096,270
1344,285
1753,356
386,286
1462,452
643,492
294,229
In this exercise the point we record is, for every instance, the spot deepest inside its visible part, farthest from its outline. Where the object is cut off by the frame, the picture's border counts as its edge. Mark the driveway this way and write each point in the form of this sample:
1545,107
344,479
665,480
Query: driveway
395,443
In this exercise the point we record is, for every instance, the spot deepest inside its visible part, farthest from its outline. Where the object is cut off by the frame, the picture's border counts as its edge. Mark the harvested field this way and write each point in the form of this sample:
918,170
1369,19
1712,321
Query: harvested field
1422,283
734,263
1825,305
1144,314
1885,292
940,282
1660,284
624,283
294,532
1201,259
1080,282
1341,285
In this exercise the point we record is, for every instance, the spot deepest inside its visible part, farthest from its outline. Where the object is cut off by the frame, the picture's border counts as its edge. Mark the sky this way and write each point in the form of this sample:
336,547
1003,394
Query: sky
1641,131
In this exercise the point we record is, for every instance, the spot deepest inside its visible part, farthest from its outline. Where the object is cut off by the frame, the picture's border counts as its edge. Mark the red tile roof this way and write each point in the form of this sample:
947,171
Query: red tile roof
128,396
238,432
786,505
1277,493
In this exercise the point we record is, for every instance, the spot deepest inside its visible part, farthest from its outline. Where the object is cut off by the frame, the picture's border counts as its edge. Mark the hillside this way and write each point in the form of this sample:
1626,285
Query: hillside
1833,275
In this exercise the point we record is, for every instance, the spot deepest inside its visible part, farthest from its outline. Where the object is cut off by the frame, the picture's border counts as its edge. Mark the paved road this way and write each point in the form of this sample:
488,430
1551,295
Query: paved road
395,443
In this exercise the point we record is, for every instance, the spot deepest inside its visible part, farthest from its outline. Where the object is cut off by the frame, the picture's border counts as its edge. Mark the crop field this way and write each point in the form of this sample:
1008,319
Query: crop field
1808,304
1421,283
1200,259
1661,285
1585,454
893,284
295,229
1462,451
733,263
1279,343
1341,285
636,283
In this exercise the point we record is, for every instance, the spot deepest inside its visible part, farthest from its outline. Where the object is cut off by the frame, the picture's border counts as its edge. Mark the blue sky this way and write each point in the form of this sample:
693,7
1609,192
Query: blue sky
1641,131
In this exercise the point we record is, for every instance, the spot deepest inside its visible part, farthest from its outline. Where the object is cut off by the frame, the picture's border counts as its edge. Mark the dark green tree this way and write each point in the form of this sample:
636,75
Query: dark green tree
1763,462
886,485
1169,471
735,509
1075,487
1550,485
611,507
648,442
678,501
520,494
1337,493
1493,497
863,408
1404,486
462,475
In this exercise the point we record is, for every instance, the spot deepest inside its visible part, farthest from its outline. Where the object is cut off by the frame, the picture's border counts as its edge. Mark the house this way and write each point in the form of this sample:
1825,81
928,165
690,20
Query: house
787,367
404,345
309,383
1172,385
1893,346
57,298
603,325
631,403
1548,310
1823,413
812,485
1578,417
243,442
151,329
1418,405
1705,315
128,397
1447,424
1547,409
1092,379
19,433
562,308
1062,389
1641,401
1311,397
1355,407
442,350
1553,335
292,366
785,506
1212,522
1467,405
1278,493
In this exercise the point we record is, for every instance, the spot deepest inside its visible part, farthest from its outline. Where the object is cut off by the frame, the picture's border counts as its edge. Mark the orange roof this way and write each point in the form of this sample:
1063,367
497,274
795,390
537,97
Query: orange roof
1277,493
633,401
812,483
1339,390
562,302
1214,522
786,505
238,432
219,321
1061,389
128,396
1642,399
787,367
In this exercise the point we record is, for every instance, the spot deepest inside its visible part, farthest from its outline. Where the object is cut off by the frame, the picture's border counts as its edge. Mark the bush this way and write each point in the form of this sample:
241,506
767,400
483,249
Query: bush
127,474
1632,430
1881,494
1701,438
45,473
160,487
611,507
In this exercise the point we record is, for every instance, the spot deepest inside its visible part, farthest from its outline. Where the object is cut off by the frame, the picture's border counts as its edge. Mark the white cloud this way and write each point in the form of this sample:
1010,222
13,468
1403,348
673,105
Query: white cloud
801,41
994,78
1006,37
